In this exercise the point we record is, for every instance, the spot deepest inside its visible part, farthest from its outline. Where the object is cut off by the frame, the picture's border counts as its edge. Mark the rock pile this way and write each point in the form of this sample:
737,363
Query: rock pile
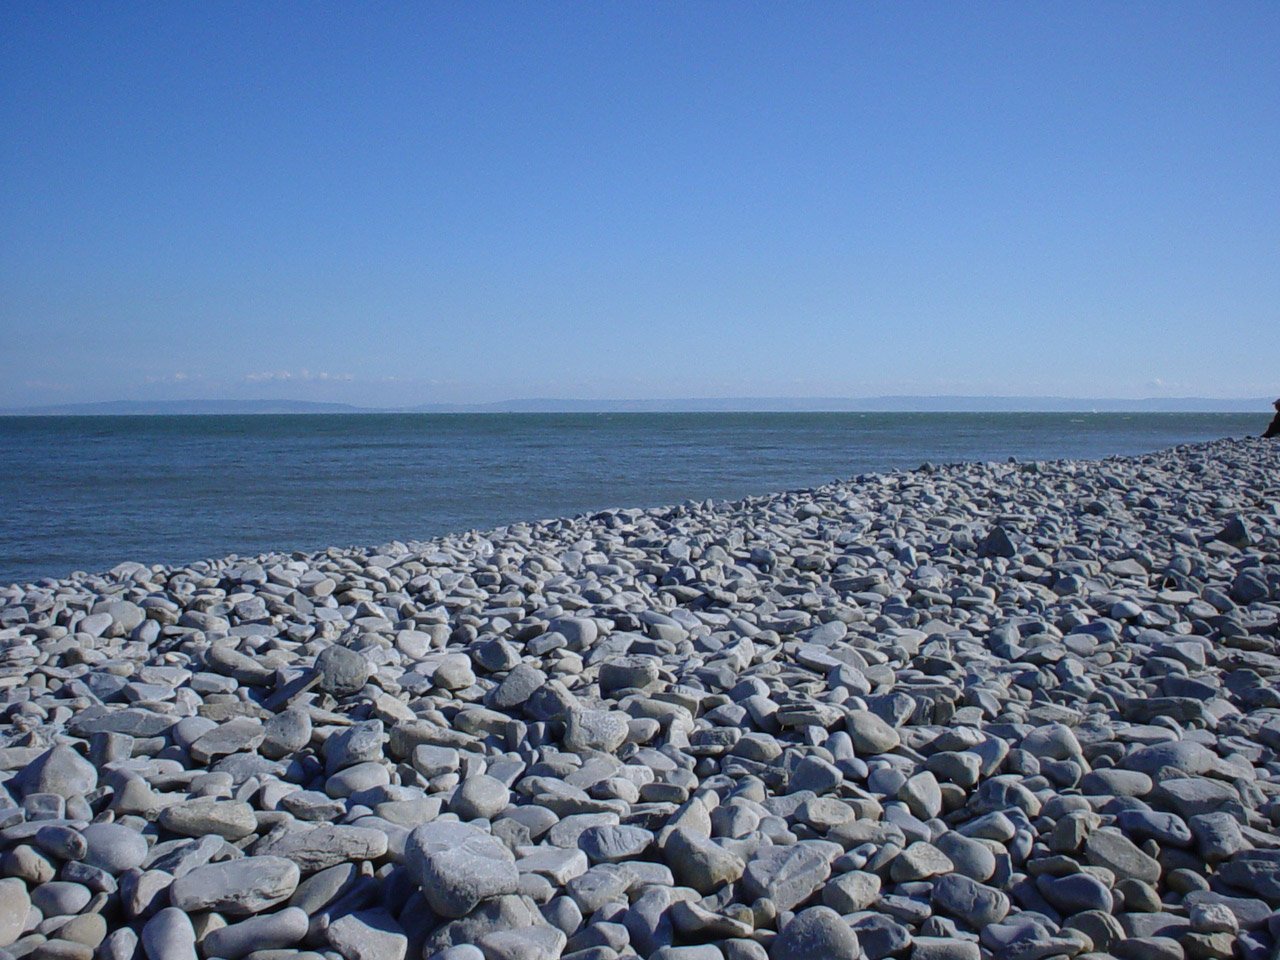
1011,711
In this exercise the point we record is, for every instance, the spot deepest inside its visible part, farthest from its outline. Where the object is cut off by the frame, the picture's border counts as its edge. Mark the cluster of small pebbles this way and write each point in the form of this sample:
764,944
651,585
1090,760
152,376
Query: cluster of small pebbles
1010,711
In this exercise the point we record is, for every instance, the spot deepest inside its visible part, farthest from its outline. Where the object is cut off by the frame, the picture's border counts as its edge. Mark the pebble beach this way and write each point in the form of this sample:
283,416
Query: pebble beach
1001,711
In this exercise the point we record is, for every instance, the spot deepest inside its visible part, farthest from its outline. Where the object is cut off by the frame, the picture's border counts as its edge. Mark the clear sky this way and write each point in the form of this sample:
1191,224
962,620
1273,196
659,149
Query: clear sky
394,203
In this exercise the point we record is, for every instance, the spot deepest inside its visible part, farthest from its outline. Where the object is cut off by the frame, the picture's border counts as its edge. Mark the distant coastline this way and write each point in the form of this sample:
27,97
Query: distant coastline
882,404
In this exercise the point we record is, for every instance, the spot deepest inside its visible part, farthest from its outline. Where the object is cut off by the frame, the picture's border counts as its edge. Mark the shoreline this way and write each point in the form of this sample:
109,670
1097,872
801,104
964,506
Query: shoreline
949,713
86,495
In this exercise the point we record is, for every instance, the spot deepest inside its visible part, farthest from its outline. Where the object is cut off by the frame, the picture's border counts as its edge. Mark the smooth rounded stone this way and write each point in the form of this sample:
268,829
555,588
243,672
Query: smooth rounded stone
238,888
851,892
120,944
141,894
1120,855
962,768
457,866
701,863
285,734
55,948
816,775
517,687
15,903
609,843
919,861
1193,796
342,671
169,935
59,898
974,903
26,863
602,884
314,847
58,770
89,929
648,920
463,951
453,672
113,847
969,857
368,935
432,761
538,943
579,632
61,842
1164,828
818,933
944,948
701,951
1075,893
1100,927
869,733
229,819
1148,948
1114,782
190,729
356,779
480,798
595,730
324,887
272,931
1137,897
922,795
1191,758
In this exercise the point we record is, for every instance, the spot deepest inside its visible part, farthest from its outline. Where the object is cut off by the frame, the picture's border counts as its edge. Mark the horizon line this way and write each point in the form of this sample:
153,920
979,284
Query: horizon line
739,404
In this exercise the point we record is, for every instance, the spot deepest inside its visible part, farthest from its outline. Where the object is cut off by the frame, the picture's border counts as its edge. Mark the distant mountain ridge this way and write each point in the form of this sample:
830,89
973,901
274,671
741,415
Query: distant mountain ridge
882,404
152,408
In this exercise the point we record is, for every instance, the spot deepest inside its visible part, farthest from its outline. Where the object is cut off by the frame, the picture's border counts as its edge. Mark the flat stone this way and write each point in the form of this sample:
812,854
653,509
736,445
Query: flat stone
238,888
790,875
368,935
59,770
974,903
1119,854
229,819
609,843
273,931
457,866
480,798
316,847
701,863
919,861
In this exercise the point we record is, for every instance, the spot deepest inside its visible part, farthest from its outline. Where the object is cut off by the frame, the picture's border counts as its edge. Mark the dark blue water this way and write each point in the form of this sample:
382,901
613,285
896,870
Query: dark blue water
85,493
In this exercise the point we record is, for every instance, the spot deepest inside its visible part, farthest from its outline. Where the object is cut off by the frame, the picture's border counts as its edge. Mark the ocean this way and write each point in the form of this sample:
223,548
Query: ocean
85,493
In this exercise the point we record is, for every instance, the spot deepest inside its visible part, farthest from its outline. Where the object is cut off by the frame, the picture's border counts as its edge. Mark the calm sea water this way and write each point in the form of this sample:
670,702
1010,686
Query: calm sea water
85,493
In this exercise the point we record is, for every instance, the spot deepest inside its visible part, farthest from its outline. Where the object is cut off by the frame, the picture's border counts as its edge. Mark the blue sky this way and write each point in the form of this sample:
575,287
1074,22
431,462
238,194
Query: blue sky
400,203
